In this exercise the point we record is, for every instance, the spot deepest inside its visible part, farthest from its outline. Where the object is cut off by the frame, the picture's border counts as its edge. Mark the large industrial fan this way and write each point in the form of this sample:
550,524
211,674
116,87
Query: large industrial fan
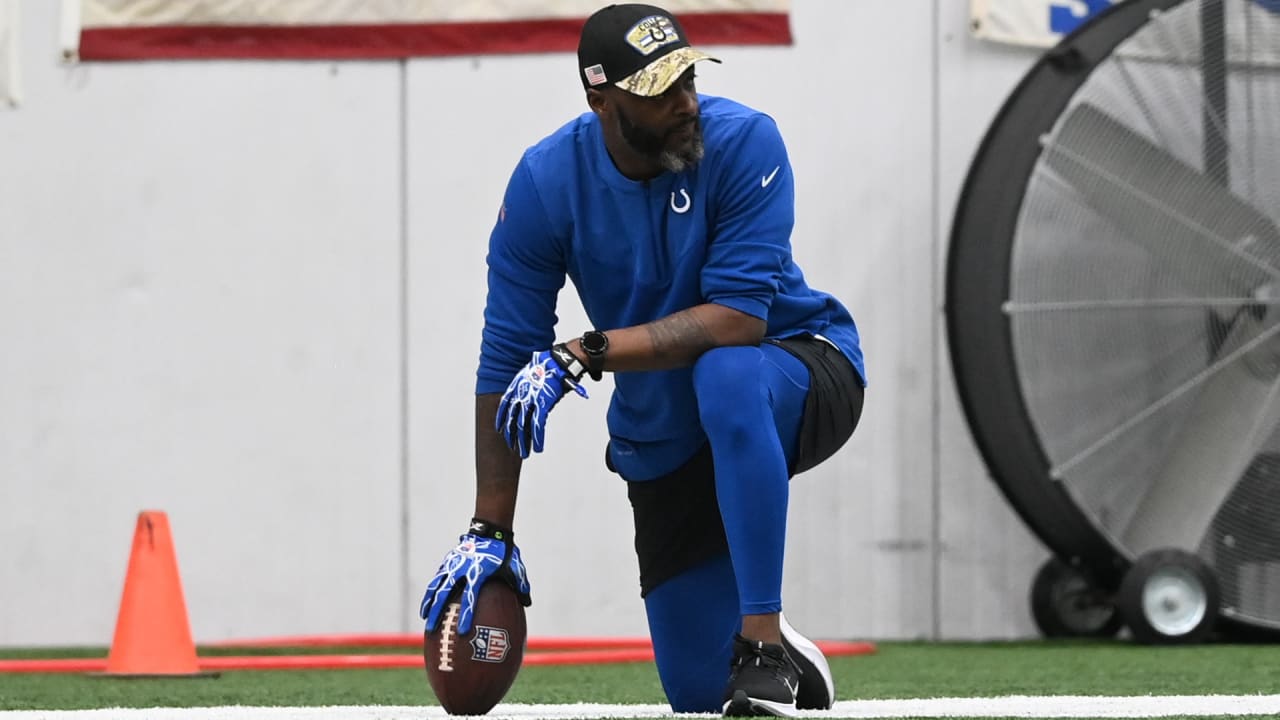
1113,311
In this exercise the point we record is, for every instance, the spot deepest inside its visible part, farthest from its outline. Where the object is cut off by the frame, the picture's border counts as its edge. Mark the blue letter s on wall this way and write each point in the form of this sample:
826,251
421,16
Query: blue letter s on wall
1063,19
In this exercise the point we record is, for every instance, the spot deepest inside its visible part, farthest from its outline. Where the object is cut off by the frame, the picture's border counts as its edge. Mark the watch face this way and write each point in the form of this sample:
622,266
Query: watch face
595,343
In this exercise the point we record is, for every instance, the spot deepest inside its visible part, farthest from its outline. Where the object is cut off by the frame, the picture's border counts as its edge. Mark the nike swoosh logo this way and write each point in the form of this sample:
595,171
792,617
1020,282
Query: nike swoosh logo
764,181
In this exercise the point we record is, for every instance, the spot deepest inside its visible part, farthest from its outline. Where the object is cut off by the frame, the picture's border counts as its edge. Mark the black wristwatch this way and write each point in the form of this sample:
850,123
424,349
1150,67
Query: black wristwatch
595,344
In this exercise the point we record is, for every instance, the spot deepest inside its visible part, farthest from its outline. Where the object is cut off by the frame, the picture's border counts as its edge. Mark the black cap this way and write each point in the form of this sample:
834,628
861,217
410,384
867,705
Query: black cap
639,48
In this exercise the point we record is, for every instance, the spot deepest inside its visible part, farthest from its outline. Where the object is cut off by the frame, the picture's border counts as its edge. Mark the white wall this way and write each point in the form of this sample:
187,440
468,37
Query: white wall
249,294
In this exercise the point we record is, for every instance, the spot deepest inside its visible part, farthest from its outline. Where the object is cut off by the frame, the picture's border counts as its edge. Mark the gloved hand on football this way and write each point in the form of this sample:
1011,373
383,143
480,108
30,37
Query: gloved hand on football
483,552
523,410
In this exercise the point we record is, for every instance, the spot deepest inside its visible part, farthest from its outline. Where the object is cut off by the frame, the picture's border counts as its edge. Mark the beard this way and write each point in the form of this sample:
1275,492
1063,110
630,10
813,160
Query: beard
672,151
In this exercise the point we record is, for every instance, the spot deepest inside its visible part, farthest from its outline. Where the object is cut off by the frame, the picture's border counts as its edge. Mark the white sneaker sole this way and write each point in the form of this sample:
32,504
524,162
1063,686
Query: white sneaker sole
743,706
813,664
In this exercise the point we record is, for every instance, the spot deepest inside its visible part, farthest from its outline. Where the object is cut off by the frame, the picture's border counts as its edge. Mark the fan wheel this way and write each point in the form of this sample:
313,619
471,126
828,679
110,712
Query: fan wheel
1067,603
1169,597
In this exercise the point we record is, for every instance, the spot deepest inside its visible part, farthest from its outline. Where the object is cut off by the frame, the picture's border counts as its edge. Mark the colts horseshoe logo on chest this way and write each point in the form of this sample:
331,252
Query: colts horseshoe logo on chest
684,206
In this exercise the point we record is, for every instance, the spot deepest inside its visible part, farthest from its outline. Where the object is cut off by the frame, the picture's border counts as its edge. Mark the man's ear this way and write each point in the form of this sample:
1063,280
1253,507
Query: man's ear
597,101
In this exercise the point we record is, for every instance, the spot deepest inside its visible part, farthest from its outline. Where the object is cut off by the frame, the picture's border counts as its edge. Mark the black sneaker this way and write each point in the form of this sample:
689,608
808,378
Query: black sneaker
762,680
817,689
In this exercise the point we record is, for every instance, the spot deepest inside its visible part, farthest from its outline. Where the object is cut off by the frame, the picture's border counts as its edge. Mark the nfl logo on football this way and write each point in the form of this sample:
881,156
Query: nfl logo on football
490,644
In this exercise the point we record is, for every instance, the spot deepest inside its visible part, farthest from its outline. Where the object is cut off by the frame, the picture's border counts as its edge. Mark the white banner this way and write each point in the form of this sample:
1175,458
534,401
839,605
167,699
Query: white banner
10,92
1038,23
355,29
123,13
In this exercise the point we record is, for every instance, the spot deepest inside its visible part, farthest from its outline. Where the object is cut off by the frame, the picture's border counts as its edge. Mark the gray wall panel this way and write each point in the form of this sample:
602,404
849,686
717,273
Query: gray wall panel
987,556
198,293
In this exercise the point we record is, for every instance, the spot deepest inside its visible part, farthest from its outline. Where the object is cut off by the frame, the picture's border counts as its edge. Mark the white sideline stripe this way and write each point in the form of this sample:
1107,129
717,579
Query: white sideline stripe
1051,706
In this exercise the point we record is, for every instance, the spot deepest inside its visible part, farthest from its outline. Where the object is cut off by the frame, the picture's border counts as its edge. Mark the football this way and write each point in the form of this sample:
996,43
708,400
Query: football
470,674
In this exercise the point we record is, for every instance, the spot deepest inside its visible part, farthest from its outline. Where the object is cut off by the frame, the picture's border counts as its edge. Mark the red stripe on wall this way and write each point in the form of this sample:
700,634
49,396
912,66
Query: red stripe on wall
348,42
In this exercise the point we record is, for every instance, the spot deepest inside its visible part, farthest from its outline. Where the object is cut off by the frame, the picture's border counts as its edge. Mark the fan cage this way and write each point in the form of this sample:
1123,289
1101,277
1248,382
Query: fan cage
1126,292
1142,299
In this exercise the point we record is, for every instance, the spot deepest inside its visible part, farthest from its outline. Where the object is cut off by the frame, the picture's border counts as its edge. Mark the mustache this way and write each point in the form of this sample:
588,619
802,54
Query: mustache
694,123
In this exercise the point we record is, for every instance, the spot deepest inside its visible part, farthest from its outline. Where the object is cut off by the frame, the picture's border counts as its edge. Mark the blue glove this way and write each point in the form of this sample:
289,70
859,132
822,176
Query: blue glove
523,410
483,552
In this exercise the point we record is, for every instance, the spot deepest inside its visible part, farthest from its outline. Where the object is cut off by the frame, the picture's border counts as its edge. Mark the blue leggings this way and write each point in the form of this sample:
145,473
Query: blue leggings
751,402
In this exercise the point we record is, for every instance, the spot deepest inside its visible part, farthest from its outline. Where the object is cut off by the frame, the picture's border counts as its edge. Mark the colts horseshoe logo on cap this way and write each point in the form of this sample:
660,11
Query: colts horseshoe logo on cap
652,33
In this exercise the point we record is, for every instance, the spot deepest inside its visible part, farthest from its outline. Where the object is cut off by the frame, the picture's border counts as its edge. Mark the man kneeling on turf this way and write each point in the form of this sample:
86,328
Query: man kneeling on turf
672,213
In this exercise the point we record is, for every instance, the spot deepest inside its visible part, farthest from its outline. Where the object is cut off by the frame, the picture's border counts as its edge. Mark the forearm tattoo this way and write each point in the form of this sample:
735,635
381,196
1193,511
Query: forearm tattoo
680,338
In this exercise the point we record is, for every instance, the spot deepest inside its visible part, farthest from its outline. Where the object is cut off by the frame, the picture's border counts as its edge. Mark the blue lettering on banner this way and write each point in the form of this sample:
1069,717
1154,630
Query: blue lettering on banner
1064,17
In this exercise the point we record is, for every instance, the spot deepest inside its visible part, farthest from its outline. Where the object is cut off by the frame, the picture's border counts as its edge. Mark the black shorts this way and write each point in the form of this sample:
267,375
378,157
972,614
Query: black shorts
677,517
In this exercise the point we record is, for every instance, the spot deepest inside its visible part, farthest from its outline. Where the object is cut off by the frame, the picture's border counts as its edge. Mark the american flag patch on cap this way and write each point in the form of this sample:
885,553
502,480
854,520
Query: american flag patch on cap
595,75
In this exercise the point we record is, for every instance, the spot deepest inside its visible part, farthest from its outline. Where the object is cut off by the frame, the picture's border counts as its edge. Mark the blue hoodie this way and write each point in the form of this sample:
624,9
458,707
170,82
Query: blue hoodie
638,251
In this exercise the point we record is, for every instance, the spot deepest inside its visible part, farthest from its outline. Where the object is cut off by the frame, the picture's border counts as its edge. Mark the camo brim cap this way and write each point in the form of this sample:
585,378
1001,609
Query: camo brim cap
656,77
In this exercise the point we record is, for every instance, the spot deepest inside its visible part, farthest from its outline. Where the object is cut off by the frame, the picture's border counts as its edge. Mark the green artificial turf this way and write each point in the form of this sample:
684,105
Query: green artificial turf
896,670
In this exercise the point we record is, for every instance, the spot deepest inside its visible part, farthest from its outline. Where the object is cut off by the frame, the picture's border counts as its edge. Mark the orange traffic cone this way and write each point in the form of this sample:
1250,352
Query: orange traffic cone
153,637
